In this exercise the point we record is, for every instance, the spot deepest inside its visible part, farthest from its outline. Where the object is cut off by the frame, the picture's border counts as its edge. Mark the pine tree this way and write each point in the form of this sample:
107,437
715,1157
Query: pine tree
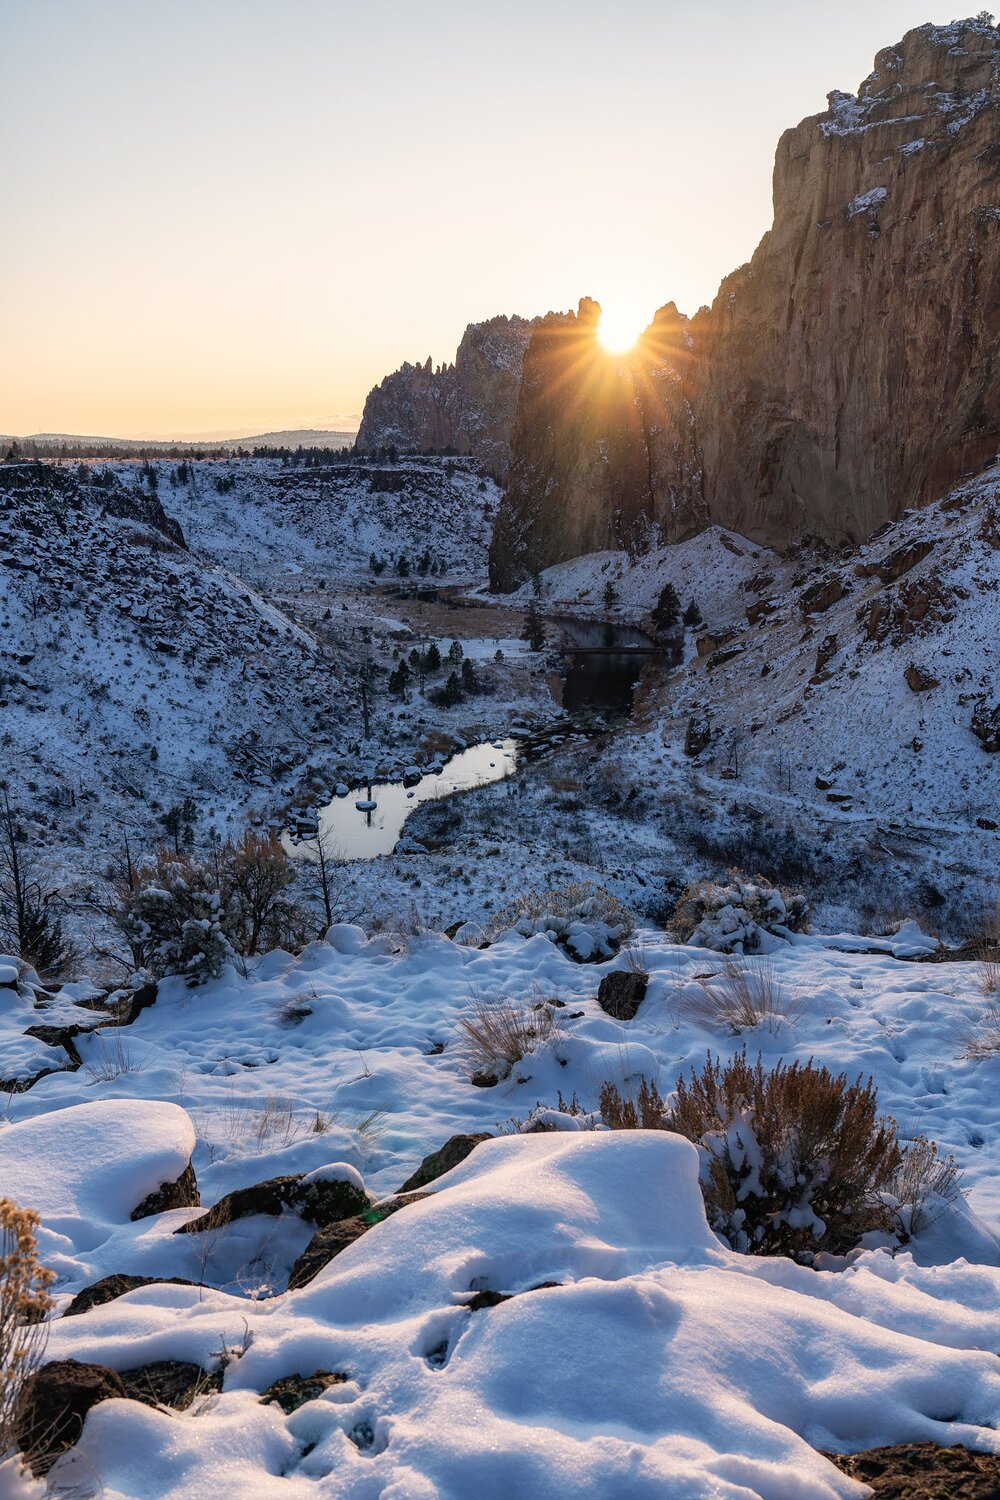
455,652
667,609
692,615
533,630
432,661
610,595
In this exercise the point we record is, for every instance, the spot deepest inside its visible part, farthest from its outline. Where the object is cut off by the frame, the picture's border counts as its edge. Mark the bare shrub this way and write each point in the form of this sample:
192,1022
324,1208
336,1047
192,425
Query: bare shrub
982,1039
30,925
117,1057
25,1302
794,1160
499,1033
924,1181
746,994
645,1110
253,877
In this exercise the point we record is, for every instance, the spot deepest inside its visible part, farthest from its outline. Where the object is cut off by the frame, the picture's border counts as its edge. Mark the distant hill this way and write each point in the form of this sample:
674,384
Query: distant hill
73,445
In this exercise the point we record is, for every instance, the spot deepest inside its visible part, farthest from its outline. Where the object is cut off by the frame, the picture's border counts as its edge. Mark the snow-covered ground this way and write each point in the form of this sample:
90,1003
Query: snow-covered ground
654,1361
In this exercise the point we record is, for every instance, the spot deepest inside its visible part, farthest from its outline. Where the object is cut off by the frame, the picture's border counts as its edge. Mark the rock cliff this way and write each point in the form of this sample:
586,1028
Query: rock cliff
849,371
603,448
468,406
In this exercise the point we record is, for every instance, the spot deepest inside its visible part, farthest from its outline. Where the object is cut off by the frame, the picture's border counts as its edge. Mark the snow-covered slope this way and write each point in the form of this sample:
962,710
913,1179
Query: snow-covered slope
134,674
636,1355
328,522
866,668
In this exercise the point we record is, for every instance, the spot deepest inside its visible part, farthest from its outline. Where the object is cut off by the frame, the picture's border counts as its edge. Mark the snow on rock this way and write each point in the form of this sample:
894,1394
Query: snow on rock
660,1366
86,1168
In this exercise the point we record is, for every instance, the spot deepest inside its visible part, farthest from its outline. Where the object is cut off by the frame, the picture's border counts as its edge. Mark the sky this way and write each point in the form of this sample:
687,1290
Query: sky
233,216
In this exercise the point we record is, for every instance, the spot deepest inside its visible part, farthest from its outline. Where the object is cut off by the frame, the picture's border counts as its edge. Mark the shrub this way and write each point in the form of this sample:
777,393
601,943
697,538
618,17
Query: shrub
744,915
745,994
646,1111
24,1303
982,1040
793,1161
171,917
186,916
256,915
584,918
499,1033
925,1183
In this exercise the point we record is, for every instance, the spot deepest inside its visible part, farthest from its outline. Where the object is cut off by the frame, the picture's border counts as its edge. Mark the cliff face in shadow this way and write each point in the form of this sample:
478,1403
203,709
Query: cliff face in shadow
847,372
603,450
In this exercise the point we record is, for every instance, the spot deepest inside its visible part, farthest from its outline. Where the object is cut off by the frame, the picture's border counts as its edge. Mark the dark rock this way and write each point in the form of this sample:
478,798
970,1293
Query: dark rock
331,1240
294,1391
169,1382
919,681
111,1287
53,1405
321,1249
897,563
621,993
923,1471
321,1202
697,735
181,1193
822,595
986,726
64,1037
454,1150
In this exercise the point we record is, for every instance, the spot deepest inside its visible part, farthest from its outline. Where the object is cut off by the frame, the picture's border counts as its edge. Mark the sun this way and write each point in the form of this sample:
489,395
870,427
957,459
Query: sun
620,327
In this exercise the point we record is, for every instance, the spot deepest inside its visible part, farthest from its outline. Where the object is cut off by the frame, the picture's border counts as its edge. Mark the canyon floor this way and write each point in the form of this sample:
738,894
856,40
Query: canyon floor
546,1310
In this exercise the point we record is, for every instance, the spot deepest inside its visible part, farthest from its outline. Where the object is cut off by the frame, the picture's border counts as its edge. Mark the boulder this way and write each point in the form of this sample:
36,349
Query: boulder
454,1150
109,1288
923,1471
293,1391
321,1200
169,1382
918,680
621,993
181,1193
53,1406
328,1242
986,726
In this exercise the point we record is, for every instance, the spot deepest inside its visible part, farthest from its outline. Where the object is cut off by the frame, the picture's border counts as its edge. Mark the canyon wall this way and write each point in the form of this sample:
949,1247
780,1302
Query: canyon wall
849,371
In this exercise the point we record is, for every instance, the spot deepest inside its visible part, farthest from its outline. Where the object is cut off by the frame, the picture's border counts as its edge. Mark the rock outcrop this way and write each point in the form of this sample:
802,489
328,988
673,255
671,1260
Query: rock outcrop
849,371
468,406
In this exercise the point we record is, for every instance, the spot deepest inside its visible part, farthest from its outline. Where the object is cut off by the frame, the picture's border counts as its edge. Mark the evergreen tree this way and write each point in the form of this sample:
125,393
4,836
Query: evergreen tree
692,615
455,652
399,679
667,609
469,681
533,630
432,661
610,595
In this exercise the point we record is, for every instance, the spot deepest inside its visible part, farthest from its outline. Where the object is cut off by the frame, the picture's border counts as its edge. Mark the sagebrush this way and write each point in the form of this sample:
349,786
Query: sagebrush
25,1302
794,1159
